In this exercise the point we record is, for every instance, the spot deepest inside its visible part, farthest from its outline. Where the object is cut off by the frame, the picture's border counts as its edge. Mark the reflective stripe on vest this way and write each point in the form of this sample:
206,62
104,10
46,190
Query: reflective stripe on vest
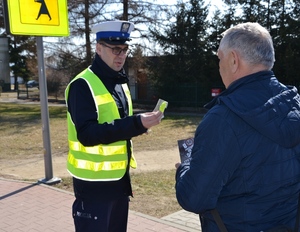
104,162
96,166
102,149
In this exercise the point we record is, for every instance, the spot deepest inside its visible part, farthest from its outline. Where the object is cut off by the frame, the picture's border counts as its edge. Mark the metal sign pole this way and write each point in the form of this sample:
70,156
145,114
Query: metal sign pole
45,115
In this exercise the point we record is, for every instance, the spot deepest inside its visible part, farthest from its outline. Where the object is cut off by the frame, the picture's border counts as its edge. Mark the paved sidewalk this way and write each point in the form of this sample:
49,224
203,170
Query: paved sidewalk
34,207
185,219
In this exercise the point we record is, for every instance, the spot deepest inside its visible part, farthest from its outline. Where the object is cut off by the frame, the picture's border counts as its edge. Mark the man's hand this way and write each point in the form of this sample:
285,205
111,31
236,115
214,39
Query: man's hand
150,119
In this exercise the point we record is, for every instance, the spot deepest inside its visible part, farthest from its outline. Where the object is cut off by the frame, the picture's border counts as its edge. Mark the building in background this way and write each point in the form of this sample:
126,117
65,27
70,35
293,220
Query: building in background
4,64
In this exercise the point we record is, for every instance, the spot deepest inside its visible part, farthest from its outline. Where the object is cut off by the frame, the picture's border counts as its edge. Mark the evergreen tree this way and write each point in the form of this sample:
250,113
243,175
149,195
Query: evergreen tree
23,58
184,48
285,31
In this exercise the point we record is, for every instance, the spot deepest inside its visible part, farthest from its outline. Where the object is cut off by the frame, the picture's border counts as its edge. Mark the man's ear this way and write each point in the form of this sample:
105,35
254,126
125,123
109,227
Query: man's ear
234,61
98,48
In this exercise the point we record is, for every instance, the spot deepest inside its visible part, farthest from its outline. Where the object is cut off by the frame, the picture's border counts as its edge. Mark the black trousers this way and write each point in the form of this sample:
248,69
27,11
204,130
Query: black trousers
103,216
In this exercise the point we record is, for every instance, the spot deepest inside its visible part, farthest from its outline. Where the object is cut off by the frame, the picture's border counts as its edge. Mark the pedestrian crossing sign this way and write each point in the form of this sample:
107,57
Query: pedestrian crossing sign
37,17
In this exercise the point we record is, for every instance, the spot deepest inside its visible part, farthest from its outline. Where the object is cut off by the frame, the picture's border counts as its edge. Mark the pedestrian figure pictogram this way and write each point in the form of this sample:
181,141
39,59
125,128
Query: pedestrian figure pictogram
43,9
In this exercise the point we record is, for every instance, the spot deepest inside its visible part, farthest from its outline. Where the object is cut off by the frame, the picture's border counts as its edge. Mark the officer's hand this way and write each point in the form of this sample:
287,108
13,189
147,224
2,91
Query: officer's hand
150,119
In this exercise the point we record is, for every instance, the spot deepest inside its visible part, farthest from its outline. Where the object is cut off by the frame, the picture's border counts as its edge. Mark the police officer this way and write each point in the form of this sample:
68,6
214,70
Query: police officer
100,127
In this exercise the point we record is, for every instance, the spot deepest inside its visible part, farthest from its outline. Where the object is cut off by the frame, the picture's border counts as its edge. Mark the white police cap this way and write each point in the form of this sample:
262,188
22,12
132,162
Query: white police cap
113,32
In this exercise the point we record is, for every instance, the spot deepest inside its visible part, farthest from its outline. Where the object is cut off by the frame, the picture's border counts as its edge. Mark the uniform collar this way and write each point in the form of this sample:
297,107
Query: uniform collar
106,74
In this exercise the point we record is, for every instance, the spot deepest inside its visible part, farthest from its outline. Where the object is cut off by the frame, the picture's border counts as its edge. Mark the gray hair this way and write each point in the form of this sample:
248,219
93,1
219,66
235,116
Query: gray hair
252,41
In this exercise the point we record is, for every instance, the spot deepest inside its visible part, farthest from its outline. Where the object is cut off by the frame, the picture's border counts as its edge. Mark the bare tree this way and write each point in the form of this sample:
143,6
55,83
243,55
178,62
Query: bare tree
84,14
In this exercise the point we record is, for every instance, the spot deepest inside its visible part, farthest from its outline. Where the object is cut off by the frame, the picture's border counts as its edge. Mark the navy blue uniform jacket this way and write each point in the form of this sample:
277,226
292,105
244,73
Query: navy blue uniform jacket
246,157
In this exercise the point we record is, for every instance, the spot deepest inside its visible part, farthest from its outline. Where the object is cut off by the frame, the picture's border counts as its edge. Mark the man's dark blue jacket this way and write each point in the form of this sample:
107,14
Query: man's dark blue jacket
246,157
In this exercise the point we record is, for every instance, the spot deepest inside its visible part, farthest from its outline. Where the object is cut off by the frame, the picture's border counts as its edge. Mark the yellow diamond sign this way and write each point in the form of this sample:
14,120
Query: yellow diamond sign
38,17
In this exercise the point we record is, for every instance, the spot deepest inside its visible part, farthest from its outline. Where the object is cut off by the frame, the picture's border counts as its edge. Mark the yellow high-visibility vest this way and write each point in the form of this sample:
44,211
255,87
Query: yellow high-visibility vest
103,162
